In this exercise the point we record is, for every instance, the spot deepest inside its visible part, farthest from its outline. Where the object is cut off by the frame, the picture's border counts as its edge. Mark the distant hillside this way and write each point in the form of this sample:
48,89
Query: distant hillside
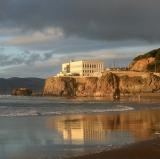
147,62
7,85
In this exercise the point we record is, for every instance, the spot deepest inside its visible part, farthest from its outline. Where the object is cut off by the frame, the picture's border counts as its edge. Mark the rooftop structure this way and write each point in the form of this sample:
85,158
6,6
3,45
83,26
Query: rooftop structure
82,68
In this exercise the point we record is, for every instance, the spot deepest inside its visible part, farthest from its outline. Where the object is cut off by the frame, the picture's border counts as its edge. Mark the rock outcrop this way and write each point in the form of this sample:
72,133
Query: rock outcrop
60,86
142,64
139,84
147,62
7,85
107,85
22,92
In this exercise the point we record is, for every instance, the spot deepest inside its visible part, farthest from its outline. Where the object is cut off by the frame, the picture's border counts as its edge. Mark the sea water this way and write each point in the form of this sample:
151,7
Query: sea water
49,127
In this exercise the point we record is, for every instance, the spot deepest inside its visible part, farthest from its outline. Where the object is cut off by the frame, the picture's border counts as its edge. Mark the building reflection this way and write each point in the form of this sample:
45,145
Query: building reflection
79,129
138,125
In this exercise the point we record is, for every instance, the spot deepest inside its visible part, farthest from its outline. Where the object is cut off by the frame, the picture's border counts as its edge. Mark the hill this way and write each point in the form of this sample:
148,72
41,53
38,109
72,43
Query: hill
147,62
7,85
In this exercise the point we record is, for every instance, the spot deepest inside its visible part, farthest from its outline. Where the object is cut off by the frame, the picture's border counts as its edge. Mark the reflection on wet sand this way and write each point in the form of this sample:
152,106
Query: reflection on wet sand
69,135
140,125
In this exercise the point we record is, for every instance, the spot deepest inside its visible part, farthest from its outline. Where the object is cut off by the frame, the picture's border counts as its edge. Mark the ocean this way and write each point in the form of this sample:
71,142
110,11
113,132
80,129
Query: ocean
55,128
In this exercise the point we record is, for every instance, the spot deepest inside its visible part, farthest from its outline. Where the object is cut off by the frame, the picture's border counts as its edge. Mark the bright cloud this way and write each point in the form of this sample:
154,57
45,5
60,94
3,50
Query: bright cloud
36,37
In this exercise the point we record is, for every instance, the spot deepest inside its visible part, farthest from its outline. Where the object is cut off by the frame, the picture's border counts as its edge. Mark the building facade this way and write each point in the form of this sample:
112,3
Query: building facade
82,68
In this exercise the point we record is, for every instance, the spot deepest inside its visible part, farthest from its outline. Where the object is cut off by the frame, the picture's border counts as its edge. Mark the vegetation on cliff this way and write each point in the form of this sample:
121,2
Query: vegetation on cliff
147,62
154,53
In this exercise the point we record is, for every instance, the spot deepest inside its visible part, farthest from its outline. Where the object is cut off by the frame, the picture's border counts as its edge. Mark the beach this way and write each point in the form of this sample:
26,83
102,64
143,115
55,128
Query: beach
143,150
59,128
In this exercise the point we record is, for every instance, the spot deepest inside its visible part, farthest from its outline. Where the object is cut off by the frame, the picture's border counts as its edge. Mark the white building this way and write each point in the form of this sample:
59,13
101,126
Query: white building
82,68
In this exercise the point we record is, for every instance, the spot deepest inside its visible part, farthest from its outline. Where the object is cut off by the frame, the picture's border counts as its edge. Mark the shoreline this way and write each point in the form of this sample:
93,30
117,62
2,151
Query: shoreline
76,127
149,149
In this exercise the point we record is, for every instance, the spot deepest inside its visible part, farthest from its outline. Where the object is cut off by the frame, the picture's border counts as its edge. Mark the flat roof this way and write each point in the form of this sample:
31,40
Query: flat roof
86,61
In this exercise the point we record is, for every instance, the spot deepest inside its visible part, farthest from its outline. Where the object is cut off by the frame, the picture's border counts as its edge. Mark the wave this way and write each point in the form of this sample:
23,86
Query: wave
18,112
5,95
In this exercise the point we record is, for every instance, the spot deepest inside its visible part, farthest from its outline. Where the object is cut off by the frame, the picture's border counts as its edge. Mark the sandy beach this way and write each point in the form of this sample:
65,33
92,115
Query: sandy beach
34,128
143,150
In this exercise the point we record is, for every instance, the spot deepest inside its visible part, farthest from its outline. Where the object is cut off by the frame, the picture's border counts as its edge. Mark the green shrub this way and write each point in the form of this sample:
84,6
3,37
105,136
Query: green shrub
154,53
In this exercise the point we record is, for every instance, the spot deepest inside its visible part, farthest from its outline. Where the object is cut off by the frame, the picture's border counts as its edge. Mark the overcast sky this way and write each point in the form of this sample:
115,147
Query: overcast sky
36,36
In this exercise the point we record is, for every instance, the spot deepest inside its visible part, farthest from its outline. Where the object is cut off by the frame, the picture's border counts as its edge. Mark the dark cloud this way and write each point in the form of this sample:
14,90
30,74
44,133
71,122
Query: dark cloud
25,57
48,32
93,19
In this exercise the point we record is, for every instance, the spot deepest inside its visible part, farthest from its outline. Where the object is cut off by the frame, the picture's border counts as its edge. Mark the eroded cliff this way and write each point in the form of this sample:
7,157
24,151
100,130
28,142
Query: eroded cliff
142,64
109,85
148,83
147,62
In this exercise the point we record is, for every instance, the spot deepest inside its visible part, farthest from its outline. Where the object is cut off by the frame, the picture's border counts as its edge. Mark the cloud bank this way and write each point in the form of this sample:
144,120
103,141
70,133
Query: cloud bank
45,33
93,19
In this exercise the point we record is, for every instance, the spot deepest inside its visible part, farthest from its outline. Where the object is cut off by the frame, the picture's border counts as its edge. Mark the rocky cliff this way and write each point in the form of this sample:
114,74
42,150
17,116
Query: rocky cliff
147,62
148,83
109,85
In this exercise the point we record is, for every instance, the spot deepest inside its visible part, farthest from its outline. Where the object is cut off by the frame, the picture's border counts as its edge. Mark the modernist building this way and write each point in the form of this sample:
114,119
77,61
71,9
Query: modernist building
82,68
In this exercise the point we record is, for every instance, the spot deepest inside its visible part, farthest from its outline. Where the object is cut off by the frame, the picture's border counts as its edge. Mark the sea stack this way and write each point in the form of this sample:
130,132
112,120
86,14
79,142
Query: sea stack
22,92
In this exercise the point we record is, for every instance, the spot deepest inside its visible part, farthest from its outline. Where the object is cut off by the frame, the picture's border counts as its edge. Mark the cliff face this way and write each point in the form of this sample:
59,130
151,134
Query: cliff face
142,64
140,84
147,62
60,86
108,85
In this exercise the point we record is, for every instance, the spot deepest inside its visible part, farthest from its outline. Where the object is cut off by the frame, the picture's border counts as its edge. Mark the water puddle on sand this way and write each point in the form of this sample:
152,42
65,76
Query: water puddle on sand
69,135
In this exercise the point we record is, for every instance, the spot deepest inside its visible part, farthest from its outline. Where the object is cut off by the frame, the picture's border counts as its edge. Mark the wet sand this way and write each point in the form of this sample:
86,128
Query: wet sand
54,128
143,150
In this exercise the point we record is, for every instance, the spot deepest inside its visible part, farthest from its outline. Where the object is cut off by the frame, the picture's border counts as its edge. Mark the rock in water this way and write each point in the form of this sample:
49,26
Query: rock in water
22,92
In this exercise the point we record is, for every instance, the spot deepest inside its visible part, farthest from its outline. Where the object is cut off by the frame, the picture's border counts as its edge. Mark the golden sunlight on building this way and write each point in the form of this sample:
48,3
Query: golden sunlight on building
82,68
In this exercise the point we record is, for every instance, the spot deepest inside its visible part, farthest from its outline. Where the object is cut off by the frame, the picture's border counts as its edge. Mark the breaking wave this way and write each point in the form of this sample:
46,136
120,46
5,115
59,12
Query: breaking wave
32,111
